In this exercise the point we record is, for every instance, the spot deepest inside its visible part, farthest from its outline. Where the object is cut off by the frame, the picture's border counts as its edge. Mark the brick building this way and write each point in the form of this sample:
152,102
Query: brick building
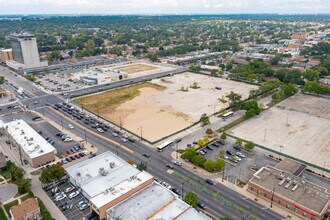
283,187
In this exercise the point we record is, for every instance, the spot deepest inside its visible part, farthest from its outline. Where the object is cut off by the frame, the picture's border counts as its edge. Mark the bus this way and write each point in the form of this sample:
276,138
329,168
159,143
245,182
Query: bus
227,115
164,145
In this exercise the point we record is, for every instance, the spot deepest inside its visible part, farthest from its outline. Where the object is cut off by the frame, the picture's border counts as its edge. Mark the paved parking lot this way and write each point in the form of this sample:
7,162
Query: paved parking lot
74,213
58,81
47,130
240,170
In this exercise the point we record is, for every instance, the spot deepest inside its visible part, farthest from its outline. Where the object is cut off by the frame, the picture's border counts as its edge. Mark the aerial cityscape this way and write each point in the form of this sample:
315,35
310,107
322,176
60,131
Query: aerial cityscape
165,110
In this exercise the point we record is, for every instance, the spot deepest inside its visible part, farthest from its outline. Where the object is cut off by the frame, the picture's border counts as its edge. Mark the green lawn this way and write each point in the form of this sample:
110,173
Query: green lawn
25,198
9,205
2,214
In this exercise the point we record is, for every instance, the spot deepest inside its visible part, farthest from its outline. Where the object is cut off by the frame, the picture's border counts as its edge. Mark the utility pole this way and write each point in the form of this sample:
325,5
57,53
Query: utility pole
272,199
177,150
85,136
120,123
141,133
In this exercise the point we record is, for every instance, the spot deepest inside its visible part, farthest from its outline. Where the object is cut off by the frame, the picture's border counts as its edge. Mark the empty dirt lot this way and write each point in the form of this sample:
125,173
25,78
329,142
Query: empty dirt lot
134,68
160,108
298,126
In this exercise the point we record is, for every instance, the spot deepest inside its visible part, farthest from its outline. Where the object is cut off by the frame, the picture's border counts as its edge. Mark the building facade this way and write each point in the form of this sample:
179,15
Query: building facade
6,54
25,50
290,192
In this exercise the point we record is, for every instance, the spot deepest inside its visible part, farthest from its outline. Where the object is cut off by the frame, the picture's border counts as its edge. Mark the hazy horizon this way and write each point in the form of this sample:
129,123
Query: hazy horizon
160,7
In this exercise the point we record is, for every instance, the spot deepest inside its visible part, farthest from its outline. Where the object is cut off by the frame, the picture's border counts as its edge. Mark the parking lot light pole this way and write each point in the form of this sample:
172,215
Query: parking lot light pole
223,173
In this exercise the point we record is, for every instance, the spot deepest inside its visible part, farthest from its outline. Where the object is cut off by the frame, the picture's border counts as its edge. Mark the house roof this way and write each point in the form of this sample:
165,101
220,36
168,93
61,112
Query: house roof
20,211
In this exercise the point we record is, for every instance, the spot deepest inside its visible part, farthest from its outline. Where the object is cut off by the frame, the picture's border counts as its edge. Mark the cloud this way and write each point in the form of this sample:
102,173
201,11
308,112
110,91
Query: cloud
162,6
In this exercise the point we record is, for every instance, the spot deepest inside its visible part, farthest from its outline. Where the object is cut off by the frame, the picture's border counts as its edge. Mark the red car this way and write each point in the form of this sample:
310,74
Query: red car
69,152
77,156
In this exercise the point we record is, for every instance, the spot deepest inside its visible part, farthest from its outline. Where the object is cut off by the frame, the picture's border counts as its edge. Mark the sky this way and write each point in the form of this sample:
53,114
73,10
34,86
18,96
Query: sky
162,6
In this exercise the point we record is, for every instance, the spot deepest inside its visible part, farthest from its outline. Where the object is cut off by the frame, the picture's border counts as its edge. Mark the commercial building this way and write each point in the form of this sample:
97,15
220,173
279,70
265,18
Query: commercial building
33,148
6,54
25,52
154,202
90,77
29,209
286,189
112,185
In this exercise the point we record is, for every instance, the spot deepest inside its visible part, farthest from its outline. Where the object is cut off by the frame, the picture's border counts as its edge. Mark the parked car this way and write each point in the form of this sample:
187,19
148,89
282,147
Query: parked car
74,194
237,147
239,154
131,140
70,126
69,189
176,191
100,130
229,153
68,159
83,206
72,158
114,134
64,161
123,140
68,139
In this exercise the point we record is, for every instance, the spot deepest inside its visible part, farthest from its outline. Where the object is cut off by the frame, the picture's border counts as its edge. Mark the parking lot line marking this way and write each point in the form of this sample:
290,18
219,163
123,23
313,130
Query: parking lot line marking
94,133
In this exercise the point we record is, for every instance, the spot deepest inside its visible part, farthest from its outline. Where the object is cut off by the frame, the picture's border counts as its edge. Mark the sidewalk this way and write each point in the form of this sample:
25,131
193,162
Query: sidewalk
217,177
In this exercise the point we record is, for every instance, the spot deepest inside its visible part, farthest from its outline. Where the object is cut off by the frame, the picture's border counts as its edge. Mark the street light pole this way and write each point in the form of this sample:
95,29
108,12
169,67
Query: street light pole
117,149
141,133
223,173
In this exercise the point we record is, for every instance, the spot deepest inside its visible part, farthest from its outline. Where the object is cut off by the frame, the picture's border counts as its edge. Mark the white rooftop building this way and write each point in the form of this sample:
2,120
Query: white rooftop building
107,179
34,148
154,202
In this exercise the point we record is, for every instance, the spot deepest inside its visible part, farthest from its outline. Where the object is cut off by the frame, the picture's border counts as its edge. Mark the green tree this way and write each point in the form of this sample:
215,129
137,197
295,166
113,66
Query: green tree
289,89
153,57
194,68
234,99
90,44
24,185
204,119
251,107
2,80
201,142
209,165
195,86
223,136
191,199
312,75
249,145
209,131
141,166
54,172
225,218
239,141
198,160
189,154
215,72
222,153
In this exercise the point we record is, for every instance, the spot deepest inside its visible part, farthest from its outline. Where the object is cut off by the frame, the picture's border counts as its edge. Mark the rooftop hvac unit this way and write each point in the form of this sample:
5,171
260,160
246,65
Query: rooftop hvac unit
111,189
102,171
288,185
78,174
281,183
41,151
112,165
295,187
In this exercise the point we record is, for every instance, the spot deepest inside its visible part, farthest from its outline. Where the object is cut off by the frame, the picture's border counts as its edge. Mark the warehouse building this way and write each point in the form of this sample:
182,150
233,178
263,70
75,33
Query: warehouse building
112,185
154,202
33,148
286,189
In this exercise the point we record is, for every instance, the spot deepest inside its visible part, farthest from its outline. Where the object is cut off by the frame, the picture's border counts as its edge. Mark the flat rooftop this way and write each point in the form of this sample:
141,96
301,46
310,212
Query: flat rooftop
31,142
297,189
154,202
105,171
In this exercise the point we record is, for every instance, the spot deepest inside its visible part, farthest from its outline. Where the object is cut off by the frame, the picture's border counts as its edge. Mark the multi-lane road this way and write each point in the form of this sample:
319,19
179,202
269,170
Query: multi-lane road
220,200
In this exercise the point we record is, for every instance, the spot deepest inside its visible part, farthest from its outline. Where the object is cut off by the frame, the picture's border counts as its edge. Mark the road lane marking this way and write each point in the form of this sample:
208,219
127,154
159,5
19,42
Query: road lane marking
94,133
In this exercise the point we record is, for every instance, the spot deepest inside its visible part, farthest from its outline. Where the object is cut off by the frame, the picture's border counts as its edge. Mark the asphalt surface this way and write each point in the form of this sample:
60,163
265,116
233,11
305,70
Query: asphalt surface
229,203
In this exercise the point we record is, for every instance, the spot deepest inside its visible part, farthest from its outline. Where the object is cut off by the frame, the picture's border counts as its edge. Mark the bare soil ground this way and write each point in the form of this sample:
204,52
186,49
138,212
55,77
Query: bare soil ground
134,68
160,108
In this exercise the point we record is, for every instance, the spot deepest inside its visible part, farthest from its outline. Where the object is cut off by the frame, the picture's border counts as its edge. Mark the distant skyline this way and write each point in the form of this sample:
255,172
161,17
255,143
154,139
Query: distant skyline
163,6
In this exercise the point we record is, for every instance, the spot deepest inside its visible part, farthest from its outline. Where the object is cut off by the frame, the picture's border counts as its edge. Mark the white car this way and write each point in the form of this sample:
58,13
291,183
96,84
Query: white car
123,140
226,157
16,107
100,130
114,134
70,126
69,189
124,136
59,198
239,154
68,139
74,194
